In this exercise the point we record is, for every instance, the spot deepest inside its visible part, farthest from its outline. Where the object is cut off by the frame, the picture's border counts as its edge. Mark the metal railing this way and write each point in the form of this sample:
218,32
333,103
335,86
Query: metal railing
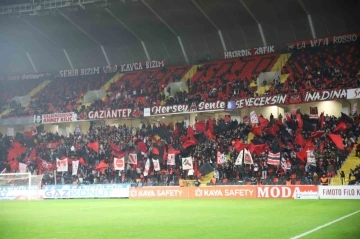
46,5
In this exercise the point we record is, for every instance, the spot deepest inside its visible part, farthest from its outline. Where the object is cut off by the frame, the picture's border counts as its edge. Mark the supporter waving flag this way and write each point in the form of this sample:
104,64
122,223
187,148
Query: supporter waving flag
187,163
273,158
94,146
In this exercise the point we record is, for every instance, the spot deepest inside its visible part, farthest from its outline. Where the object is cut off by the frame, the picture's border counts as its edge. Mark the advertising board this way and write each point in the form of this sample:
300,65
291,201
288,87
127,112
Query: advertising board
339,192
221,192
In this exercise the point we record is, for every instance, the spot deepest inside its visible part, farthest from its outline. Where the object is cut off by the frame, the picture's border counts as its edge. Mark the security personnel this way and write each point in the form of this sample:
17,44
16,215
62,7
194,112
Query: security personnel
324,180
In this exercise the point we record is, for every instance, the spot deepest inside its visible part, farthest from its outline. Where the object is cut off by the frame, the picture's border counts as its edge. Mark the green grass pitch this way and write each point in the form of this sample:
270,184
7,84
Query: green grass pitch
190,219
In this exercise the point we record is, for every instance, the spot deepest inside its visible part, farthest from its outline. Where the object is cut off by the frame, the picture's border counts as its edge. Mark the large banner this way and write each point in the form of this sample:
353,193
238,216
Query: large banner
325,95
260,101
21,195
32,76
55,118
284,191
110,114
339,192
323,41
135,66
85,186
249,52
193,192
86,193
222,192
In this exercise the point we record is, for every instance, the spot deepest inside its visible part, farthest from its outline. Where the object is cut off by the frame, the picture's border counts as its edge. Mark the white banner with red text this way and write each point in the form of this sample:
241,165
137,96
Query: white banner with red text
55,118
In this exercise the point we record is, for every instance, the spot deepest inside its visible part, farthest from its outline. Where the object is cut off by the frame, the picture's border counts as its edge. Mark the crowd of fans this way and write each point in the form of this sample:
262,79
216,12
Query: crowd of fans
203,144
333,66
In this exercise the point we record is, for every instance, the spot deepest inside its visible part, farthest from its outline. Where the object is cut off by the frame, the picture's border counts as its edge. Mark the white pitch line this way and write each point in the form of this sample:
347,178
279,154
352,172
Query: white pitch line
325,225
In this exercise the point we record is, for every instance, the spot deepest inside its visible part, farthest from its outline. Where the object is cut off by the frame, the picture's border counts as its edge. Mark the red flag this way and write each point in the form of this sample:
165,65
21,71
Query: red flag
257,149
29,133
211,123
142,147
82,161
94,146
338,141
340,127
113,147
322,119
299,120
119,154
189,142
190,131
14,164
256,130
31,156
44,165
300,140
209,133
240,146
155,151
317,134
302,155
309,145
176,131
200,126
101,165
173,151
263,122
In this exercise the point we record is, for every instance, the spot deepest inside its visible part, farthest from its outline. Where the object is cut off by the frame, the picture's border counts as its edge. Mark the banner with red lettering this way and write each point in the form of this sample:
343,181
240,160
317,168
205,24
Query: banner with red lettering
55,118
75,167
119,163
62,165
132,159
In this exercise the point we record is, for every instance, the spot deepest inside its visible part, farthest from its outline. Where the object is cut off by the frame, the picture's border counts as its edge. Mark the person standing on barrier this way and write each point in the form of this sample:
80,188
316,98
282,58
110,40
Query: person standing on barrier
342,176
324,180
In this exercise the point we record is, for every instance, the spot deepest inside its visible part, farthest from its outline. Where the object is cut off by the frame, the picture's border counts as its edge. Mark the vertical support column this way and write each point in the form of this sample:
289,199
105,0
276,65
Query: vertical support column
31,62
244,112
145,50
311,25
183,50
262,34
222,40
68,59
105,55
192,119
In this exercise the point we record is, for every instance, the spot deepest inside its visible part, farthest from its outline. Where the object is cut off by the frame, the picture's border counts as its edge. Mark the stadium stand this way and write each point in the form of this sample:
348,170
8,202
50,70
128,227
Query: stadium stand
97,149
329,67
60,95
